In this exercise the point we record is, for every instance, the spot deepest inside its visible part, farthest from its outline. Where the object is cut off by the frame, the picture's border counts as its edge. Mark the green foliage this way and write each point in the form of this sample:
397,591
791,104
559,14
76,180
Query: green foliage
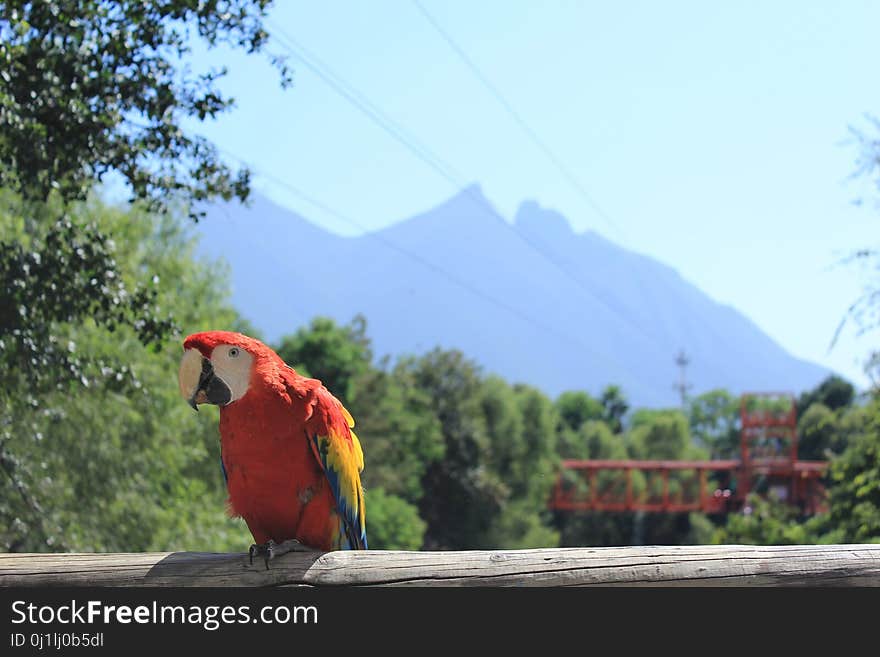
600,443
337,355
520,526
855,483
818,432
45,268
661,434
95,450
531,466
615,407
701,530
767,521
577,407
825,432
393,524
114,461
94,87
593,528
523,456
401,435
834,393
398,430
714,423
89,89
461,494
506,453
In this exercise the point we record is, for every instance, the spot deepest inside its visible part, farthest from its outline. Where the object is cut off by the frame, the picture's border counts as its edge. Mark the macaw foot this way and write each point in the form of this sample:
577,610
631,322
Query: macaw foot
270,549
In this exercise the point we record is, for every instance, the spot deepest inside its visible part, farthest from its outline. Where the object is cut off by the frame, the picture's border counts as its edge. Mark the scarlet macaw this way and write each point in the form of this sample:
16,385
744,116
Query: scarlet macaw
289,456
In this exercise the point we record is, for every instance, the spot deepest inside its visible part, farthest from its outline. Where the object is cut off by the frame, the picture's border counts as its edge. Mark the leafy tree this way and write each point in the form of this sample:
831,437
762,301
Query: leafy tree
61,272
660,434
520,527
714,423
766,520
827,418
600,442
819,433
392,523
96,87
337,355
855,483
576,407
529,466
580,417
505,426
524,459
115,462
615,405
89,89
833,392
670,529
594,528
461,495
569,444
399,431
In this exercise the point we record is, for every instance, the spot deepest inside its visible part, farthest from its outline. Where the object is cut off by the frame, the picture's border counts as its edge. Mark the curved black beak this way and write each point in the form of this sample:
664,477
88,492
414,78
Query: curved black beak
211,388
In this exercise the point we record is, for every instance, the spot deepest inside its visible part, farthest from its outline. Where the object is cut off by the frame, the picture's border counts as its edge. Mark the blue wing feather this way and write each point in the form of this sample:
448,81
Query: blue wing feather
329,432
354,534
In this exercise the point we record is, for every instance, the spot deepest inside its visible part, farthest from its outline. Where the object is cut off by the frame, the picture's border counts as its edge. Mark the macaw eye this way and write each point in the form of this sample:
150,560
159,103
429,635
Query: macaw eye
233,353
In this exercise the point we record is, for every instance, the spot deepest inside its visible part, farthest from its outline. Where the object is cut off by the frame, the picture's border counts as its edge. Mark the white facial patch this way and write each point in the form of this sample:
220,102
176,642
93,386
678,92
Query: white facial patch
232,365
189,373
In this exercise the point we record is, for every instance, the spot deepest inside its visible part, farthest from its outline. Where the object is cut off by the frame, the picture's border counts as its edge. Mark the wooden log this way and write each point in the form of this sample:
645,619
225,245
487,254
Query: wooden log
691,565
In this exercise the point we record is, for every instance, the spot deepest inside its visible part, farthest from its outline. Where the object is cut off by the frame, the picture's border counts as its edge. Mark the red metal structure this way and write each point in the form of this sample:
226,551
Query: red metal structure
768,461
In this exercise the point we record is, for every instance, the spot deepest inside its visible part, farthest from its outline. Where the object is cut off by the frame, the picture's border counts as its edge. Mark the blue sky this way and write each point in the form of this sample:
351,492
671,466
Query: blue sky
715,138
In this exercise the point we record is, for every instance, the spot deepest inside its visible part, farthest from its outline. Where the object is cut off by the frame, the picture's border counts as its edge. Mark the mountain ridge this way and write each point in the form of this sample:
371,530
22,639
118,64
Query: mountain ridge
532,300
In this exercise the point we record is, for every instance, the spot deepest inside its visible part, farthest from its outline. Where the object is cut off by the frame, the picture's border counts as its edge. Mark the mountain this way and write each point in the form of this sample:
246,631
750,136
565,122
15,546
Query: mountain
532,301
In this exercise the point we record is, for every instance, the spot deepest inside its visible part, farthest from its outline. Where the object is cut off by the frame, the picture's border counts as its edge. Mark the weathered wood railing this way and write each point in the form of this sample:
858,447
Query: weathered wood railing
695,565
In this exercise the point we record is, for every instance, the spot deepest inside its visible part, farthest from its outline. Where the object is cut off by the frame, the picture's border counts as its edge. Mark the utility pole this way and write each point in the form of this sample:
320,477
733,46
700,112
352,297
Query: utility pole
682,386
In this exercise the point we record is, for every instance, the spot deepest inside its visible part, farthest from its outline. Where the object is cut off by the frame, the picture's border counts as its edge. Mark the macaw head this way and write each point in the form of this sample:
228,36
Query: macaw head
218,366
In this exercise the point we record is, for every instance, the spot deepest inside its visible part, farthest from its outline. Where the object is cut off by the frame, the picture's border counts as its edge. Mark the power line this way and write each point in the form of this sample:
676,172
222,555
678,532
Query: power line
365,106
525,127
532,134
414,256
398,133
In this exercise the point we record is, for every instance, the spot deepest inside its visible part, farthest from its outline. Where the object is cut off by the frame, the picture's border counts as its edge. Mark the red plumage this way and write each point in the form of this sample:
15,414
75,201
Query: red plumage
276,479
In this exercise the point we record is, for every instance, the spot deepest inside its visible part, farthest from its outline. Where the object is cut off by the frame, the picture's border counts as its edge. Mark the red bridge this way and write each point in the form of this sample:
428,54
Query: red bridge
768,462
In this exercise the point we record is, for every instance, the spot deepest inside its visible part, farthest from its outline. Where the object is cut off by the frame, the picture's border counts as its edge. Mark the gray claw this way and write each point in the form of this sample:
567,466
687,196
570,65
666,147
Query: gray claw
267,550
